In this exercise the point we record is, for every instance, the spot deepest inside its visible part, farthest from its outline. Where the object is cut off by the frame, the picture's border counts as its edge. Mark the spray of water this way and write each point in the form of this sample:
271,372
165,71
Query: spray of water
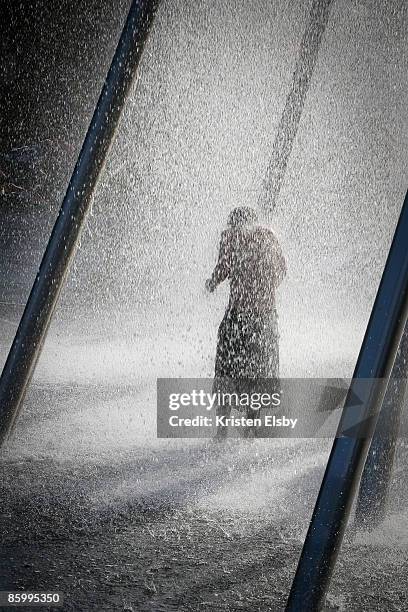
194,142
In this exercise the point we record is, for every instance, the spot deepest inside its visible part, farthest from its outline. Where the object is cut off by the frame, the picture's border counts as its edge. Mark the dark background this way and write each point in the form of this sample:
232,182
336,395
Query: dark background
54,57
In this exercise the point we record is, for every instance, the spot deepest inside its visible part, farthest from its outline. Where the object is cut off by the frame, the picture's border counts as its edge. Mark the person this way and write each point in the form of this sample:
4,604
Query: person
251,259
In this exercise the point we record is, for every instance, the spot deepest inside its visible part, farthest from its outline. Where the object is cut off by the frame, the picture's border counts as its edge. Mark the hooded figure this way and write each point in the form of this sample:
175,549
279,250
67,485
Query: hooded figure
251,259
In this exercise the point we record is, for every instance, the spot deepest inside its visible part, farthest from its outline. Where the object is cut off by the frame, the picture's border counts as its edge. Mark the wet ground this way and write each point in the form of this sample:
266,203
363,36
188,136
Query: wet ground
173,525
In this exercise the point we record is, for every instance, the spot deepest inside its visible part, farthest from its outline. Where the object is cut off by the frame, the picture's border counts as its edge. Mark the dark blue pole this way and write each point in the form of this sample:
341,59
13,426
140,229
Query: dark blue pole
375,481
34,323
349,451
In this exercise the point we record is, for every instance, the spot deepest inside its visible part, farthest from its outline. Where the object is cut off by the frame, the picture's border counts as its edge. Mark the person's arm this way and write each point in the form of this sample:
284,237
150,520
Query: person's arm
222,269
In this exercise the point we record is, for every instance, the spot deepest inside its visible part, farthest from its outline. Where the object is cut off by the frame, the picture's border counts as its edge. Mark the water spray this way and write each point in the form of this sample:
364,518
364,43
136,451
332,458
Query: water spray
41,303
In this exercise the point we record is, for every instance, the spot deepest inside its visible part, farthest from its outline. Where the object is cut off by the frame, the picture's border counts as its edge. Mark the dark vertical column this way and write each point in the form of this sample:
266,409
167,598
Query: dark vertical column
341,479
34,323
292,112
376,478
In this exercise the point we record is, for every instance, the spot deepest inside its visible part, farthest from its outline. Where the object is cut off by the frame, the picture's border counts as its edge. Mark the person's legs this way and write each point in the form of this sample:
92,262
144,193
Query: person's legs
250,430
222,429
261,358
250,387
225,367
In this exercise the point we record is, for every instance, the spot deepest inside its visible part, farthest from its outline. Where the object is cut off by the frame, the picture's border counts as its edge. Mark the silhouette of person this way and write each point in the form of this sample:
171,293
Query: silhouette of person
251,259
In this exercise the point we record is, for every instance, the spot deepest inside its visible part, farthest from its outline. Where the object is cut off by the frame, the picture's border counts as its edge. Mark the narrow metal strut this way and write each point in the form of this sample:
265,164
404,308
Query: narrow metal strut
342,476
34,323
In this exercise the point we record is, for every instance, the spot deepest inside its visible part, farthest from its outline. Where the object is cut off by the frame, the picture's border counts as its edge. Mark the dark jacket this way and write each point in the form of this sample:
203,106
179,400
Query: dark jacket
252,260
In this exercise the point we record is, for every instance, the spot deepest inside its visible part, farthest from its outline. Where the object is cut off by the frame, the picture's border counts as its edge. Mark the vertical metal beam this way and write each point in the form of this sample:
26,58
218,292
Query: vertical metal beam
34,323
292,112
346,461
